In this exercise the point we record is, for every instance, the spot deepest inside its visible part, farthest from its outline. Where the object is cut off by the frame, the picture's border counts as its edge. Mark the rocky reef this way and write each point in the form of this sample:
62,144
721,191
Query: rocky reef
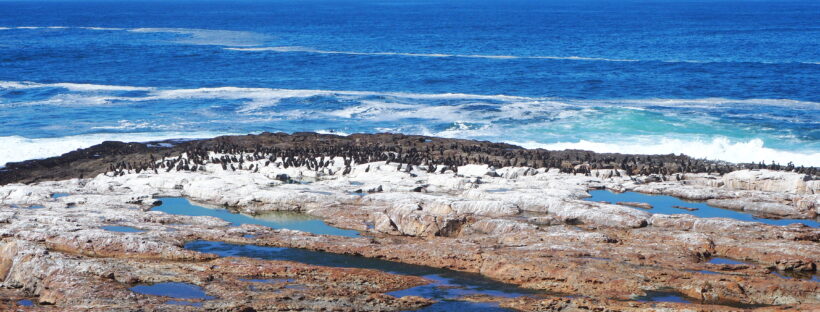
512,215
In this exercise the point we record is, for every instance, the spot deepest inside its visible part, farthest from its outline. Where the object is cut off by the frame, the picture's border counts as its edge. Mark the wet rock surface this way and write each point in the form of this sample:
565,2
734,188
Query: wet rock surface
523,225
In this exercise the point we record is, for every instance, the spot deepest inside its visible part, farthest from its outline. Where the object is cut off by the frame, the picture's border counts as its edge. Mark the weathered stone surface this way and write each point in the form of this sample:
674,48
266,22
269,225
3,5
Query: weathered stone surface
598,214
769,181
517,224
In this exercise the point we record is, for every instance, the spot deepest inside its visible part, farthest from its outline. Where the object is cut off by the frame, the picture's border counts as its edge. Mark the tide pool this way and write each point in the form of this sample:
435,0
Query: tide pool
447,285
664,204
276,220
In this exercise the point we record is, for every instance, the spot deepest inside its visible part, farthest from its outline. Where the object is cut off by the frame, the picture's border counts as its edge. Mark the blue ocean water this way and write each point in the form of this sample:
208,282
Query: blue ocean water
730,80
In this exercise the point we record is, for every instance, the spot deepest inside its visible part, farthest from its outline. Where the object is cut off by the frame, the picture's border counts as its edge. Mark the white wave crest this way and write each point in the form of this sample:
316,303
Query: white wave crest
285,49
28,148
256,98
262,97
301,49
494,117
81,87
719,148
103,28
331,131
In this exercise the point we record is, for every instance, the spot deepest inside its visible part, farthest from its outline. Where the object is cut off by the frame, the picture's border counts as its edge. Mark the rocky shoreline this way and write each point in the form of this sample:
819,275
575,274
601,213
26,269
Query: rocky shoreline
513,215
441,153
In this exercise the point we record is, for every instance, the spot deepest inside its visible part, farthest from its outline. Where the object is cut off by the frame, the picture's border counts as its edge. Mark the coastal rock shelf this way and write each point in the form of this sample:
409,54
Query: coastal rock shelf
521,226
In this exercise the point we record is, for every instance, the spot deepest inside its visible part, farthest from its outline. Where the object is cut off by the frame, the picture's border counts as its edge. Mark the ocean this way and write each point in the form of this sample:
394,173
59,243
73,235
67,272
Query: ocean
728,80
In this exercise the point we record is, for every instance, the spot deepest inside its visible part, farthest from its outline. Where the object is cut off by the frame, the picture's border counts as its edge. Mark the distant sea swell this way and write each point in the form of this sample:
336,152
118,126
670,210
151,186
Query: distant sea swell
247,41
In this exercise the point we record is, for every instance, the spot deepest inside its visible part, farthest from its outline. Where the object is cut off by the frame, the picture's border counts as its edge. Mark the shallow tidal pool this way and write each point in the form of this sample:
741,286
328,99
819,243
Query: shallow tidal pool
277,219
447,285
664,204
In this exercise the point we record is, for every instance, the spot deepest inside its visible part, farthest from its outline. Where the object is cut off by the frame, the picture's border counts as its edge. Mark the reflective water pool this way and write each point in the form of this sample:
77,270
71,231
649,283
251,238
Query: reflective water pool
25,303
447,284
663,296
174,290
120,228
718,260
276,220
666,205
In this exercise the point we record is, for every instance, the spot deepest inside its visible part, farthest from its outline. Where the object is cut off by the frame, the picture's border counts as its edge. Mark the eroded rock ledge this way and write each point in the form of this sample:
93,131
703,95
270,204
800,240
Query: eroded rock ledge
361,148
518,224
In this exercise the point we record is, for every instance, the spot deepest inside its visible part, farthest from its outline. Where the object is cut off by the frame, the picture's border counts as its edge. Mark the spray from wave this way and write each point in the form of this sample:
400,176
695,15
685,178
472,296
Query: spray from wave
720,148
28,148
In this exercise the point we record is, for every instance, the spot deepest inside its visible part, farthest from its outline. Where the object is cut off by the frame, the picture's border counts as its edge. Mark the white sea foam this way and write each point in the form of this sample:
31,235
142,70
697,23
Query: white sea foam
720,148
250,42
103,28
194,36
331,131
124,125
17,148
82,87
285,49
495,117
210,36
256,98
717,149
289,49
260,98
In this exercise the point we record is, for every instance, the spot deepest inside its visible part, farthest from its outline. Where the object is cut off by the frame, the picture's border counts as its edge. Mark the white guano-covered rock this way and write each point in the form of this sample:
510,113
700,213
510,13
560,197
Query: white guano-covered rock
592,213
770,181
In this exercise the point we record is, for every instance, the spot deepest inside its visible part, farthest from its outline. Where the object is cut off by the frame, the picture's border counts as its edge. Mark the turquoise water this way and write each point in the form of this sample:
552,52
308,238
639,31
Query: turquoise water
120,228
276,220
663,204
718,79
58,195
447,285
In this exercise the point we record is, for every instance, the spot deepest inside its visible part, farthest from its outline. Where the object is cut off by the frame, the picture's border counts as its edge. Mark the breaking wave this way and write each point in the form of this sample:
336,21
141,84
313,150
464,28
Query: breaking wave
737,130
36,148
259,98
721,148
